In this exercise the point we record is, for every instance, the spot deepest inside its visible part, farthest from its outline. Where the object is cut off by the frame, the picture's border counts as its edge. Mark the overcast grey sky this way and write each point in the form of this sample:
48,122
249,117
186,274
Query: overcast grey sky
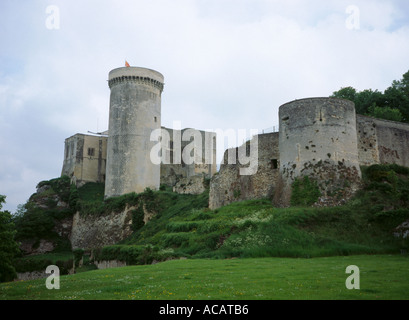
227,64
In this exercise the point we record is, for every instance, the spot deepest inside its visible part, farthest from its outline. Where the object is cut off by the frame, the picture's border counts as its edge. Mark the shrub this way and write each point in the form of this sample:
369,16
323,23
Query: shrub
74,196
31,264
305,192
137,218
132,254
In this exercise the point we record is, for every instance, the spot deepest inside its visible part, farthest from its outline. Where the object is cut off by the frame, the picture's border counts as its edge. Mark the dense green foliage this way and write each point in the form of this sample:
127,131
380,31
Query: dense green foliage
36,219
392,104
40,263
8,246
304,192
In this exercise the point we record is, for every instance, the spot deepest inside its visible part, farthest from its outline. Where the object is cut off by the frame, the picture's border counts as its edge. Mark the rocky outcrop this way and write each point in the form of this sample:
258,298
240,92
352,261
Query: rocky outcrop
95,231
32,247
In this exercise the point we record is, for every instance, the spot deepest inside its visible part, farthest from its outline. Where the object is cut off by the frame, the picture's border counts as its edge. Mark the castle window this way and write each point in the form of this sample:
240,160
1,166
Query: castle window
91,152
155,119
274,163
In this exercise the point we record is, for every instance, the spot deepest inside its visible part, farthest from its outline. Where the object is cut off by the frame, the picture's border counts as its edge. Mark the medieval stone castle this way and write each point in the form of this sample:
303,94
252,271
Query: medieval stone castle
322,138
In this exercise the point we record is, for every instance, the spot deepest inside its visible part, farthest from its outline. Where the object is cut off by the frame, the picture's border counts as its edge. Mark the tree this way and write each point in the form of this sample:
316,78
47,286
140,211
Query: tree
366,98
397,96
348,93
384,113
9,248
392,104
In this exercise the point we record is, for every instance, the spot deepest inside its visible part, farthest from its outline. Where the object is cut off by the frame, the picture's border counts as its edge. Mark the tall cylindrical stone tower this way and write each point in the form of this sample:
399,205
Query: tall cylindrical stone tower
318,139
135,110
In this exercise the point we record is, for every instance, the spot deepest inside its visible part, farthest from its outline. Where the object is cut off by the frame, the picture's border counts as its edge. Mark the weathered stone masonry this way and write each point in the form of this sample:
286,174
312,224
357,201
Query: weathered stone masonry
134,112
322,138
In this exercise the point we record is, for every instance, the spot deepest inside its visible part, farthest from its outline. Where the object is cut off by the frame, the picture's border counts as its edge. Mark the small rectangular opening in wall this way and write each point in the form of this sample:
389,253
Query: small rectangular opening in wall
274,163
155,119
91,152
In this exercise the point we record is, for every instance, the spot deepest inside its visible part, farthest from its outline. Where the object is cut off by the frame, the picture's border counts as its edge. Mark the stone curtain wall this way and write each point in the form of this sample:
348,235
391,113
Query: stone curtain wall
382,141
368,152
393,142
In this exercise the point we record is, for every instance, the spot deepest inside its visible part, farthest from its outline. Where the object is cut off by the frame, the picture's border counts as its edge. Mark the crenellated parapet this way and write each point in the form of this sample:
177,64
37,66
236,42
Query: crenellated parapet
136,76
137,80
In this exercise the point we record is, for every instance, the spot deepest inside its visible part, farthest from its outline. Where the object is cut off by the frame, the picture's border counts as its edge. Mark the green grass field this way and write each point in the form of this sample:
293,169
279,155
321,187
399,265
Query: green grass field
382,277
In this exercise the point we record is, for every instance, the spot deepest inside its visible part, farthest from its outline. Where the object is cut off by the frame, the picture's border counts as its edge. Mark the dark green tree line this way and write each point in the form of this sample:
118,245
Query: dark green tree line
8,246
392,104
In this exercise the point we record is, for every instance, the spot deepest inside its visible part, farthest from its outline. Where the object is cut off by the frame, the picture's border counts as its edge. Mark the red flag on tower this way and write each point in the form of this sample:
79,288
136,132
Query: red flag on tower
127,64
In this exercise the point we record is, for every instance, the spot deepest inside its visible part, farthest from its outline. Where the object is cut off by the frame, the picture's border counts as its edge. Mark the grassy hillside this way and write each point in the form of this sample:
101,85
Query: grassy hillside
184,227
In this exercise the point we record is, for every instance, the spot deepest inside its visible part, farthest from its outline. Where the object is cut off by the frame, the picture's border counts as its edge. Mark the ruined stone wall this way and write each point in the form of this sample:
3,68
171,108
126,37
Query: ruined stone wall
230,186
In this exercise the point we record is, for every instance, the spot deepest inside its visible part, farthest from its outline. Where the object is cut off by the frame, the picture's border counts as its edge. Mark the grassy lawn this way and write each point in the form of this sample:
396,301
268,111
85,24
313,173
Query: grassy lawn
382,277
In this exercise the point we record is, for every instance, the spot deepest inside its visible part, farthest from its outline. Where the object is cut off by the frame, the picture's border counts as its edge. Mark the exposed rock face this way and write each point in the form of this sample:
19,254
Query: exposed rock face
229,185
89,231
402,230
64,227
31,247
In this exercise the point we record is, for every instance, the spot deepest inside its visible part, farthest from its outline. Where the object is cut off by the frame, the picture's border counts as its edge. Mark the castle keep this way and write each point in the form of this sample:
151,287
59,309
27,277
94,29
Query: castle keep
134,111
121,156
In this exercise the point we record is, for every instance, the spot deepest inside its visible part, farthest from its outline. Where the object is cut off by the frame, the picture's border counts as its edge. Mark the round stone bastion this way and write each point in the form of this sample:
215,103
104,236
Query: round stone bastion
318,139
